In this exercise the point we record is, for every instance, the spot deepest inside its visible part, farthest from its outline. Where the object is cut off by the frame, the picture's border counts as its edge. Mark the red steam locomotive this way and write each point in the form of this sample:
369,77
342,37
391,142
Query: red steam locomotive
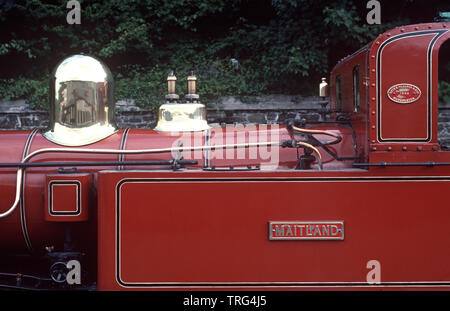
85,205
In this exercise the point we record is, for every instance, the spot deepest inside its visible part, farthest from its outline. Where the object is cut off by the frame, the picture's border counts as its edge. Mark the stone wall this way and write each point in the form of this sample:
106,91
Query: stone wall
444,126
266,110
271,109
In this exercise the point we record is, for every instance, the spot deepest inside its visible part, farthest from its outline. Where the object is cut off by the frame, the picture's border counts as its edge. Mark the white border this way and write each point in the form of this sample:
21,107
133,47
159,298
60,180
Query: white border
429,97
222,285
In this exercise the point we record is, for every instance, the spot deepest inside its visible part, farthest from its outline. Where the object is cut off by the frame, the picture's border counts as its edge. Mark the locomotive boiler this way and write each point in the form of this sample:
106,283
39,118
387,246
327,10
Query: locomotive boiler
355,200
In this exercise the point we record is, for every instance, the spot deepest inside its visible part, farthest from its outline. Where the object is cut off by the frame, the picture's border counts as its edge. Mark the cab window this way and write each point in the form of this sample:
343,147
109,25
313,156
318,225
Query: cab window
338,93
356,94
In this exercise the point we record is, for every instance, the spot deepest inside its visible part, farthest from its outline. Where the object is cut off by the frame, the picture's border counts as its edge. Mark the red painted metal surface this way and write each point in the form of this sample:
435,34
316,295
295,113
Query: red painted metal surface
344,71
395,124
404,122
406,54
184,230
198,228
68,197
27,228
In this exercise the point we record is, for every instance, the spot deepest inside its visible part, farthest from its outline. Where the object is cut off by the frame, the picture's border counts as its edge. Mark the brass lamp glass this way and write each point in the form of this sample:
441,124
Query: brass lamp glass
81,102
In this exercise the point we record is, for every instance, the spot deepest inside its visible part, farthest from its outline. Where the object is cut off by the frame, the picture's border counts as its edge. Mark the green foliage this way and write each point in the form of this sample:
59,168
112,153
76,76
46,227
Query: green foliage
281,46
444,91
145,87
34,91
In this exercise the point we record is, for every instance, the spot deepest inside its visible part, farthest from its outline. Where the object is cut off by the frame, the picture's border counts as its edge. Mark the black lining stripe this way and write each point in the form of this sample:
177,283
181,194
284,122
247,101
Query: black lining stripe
23,219
50,200
429,65
206,151
122,146
263,284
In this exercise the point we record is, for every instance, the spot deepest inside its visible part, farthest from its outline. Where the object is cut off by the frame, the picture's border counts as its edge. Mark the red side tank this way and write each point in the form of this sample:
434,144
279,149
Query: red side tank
26,228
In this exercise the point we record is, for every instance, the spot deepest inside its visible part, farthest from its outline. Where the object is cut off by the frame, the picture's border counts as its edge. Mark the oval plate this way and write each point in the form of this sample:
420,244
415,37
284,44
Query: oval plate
404,93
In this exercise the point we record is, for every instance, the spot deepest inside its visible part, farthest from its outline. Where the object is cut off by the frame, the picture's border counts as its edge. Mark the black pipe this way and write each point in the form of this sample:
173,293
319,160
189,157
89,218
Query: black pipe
99,163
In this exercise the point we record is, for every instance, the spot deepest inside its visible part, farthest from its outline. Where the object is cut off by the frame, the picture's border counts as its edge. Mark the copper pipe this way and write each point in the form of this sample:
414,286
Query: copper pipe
328,133
315,150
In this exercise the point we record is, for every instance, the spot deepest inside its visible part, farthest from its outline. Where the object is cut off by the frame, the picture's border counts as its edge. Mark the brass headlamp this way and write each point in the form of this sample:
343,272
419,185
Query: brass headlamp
81,102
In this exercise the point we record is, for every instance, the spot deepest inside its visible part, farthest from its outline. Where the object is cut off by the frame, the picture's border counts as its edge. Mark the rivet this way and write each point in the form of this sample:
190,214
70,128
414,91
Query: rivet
435,148
374,148
373,98
373,127
419,148
373,111
388,34
402,30
416,28
373,84
373,56
373,70
378,42
444,25
373,141
429,27
404,148
389,148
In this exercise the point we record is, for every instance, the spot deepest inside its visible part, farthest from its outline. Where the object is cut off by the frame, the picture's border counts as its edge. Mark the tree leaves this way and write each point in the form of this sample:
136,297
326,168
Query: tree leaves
281,46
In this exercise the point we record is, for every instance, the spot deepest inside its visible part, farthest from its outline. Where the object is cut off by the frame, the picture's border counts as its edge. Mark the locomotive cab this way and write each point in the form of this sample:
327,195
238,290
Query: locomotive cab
389,89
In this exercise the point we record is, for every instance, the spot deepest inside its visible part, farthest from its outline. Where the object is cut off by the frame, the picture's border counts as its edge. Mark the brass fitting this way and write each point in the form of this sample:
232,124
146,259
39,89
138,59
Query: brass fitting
191,95
171,84
323,88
